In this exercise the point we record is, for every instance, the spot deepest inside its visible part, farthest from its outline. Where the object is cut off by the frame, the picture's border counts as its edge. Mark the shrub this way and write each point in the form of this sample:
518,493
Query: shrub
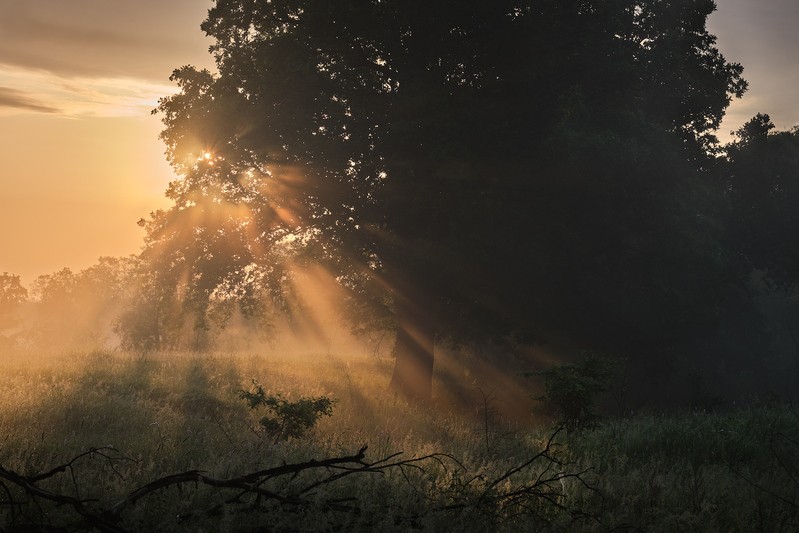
571,391
286,419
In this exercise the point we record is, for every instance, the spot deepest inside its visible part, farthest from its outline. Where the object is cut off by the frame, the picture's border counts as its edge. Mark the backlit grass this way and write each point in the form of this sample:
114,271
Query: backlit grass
173,412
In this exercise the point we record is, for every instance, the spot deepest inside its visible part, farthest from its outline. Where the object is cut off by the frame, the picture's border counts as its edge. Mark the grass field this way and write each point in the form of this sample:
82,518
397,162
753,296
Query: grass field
162,414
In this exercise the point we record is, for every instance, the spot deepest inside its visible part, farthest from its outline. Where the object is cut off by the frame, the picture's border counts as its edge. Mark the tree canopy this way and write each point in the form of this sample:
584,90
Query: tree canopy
490,168
12,296
762,189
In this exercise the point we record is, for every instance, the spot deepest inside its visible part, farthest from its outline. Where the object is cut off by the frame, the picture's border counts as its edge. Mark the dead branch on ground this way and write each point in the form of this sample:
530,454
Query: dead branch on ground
21,494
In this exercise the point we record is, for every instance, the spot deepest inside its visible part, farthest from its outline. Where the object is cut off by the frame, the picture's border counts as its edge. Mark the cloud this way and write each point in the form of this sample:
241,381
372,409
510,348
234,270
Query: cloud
761,36
24,91
145,39
96,57
15,99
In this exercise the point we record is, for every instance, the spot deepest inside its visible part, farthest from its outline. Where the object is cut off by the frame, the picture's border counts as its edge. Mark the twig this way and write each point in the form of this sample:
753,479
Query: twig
227,436
63,468
764,489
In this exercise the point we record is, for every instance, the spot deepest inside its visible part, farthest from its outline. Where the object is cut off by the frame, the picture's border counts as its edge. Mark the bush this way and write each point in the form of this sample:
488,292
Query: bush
286,419
571,391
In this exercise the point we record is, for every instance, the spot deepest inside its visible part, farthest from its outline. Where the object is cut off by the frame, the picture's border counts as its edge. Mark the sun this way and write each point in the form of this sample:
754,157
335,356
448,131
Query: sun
206,157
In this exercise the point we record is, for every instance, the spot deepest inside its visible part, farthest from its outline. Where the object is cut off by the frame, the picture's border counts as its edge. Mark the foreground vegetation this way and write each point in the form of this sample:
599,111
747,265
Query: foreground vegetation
148,417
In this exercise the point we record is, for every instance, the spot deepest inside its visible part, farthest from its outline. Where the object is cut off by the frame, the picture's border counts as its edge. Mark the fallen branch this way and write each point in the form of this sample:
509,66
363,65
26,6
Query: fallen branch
249,483
547,486
27,484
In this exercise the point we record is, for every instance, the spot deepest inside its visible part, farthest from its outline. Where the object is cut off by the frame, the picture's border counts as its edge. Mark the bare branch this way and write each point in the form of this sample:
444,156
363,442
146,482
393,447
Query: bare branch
520,499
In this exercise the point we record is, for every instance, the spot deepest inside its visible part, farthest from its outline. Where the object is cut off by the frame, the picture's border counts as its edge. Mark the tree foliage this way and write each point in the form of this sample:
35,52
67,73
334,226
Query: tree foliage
286,419
12,296
480,168
78,309
208,255
571,392
762,191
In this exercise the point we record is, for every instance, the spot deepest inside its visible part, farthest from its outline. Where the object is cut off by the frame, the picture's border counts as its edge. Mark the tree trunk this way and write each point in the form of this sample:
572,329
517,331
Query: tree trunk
413,349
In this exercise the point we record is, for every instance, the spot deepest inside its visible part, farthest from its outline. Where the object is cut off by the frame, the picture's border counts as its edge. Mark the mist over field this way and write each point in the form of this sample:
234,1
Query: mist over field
470,266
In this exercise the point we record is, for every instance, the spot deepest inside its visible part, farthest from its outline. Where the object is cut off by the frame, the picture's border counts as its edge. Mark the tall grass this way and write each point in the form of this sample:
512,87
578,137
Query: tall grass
173,412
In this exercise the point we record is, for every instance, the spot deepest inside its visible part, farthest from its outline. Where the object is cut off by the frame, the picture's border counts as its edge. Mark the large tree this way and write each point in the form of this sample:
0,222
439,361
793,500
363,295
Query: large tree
497,167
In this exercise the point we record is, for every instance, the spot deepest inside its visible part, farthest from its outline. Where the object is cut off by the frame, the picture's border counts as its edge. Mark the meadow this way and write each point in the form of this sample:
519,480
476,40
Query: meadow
460,464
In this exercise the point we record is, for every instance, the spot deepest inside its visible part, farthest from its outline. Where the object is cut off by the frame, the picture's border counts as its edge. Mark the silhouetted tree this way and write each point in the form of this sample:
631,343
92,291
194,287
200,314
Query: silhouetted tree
212,253
493,167
80,308
12,296
759,182
762,188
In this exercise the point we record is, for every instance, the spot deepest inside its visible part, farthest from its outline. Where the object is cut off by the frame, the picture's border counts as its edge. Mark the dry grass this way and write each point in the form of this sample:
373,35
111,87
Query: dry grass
174,412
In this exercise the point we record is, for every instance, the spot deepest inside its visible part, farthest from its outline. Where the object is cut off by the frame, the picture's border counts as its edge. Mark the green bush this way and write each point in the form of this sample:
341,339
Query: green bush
286,419
571,391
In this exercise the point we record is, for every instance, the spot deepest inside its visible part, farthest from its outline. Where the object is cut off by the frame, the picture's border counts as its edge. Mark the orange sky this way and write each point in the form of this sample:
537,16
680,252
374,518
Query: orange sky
81,162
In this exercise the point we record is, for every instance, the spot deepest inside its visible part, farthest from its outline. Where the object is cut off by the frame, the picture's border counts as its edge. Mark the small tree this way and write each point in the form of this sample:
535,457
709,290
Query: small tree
286,419
571,391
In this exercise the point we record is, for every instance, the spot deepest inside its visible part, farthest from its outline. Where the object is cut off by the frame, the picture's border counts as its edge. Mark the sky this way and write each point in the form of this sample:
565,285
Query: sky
80,159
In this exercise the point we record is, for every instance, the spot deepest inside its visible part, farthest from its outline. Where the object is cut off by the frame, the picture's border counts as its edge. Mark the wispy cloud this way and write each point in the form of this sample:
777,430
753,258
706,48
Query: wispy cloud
26,91
95,57
145,39
15,99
